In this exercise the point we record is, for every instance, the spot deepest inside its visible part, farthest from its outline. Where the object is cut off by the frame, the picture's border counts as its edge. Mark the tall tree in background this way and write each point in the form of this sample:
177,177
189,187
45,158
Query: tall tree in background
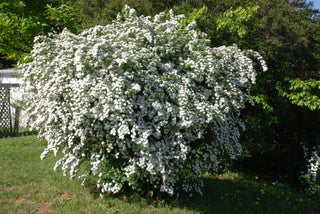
22,20
101,12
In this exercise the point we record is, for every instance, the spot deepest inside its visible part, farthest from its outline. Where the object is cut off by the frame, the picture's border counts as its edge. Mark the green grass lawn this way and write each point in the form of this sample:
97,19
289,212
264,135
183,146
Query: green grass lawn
29,185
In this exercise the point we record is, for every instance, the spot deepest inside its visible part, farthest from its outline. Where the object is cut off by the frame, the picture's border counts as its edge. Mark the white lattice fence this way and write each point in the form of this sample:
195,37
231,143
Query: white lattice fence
5,111
9,115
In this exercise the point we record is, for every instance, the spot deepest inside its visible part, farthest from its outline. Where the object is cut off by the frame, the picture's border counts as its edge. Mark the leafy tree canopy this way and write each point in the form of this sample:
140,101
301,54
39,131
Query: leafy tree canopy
22,20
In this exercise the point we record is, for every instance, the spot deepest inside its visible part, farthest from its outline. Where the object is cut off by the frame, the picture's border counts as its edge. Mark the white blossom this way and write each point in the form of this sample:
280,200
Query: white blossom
137,99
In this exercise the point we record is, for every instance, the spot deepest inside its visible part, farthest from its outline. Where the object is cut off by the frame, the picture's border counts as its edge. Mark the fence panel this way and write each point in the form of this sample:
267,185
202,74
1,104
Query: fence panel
5,111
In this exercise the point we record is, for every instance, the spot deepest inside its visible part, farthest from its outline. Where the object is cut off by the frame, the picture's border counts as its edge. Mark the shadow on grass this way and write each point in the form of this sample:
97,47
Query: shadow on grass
21,133
247,195
232,193
26,133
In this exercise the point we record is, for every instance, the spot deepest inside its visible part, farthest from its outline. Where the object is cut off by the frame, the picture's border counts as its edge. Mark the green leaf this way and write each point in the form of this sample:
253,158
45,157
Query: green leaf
234,20
193,16
302,92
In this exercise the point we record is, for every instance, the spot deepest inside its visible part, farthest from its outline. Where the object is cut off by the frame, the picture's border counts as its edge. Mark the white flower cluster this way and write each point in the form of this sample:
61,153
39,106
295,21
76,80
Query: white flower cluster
312,175
145,100
314,165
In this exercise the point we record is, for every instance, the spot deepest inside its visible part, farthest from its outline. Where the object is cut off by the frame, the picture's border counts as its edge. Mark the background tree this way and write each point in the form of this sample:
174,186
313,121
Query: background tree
100,12
22,20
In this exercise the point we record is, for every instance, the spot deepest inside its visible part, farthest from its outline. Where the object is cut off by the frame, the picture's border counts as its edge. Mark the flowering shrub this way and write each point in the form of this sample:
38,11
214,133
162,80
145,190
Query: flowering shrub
311,177
146,101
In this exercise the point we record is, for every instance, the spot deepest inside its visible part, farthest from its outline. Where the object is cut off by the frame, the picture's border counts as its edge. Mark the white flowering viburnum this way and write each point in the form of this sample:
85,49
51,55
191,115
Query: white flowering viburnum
146,101
311,177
